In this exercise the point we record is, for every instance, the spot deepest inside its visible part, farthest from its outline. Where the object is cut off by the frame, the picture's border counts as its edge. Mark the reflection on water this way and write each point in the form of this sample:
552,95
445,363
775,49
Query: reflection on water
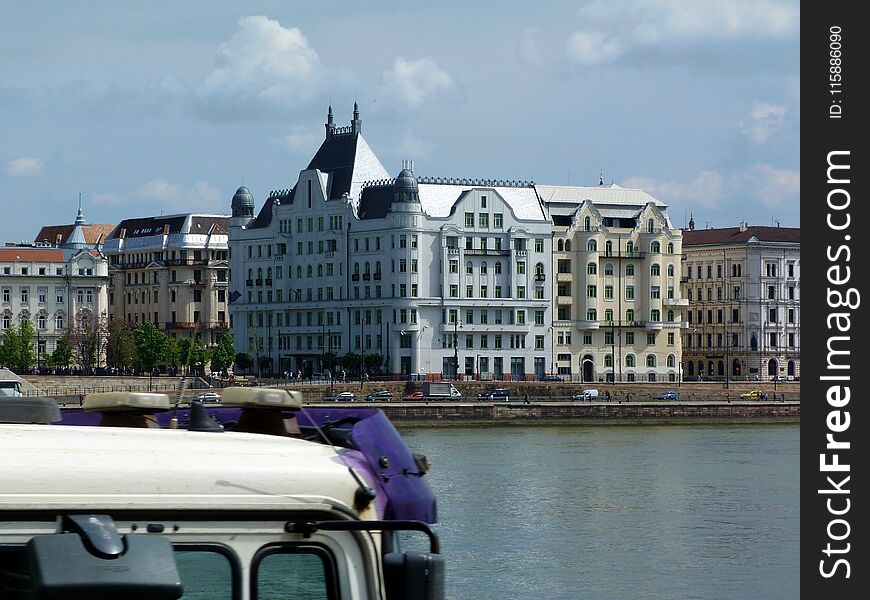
665,512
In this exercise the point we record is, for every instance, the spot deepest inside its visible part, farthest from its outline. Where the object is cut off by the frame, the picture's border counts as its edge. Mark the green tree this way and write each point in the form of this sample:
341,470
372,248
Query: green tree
173,353
63,353
244,361
373,363
198,356
150,345
265,365
222,354
184,349
121,349
17,348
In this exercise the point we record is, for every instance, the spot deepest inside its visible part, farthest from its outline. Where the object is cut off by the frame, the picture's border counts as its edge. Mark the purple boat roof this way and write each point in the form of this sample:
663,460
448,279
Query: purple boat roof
402,491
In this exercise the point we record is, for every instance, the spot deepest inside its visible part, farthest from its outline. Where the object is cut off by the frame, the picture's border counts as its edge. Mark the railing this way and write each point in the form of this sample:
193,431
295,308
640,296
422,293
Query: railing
268,281
354,277
540,277
197,325
485,252
367,276
180,262
259,282
377,276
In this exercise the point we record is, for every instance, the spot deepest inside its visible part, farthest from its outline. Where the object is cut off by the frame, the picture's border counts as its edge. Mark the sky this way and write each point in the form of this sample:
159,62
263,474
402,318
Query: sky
149,107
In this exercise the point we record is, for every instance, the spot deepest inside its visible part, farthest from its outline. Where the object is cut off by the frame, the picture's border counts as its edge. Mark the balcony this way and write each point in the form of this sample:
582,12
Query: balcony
521,253
564,276
486,252
633,254
269,281
653,325
377,276
540,277
181,262
196,282
452,250
354,277
676,302
259,282
367,276
249,282
588,325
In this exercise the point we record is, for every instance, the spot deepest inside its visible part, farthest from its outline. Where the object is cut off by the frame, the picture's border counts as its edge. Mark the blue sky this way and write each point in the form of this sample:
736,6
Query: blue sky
156,106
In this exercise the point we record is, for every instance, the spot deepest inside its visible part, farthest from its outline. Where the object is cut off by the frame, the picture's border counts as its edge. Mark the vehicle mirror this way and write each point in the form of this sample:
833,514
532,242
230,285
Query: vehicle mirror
94,562
414,575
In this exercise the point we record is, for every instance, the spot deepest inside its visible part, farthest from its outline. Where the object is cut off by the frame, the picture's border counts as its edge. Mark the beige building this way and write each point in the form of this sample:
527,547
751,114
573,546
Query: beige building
171,270
618,308
57,285
743,287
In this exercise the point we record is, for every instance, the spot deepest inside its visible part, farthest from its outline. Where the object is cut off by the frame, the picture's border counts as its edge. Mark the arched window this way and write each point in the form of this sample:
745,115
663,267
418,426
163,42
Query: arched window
591,314
655,270
655,315
259,273
592,246
378,267
629,248
469,268
560,245
629,270
539,269
608,315
655,247
753,343
592,268
587,224
670,247
299,271
650,226
733,270
498,267
672,360
269,273
670,316
608,269
608,360
250,274
650,360
629,360
310,270
356,268
608,248
567,245
320,270
368,269
483,268
670,270
629,315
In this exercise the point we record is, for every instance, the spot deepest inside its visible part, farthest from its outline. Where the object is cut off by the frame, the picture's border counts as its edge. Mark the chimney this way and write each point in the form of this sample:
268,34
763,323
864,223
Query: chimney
166,229
58,239
743,226
122,234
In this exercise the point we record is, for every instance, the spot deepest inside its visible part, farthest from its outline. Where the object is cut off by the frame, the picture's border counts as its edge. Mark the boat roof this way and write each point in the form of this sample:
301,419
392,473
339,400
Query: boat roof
51,467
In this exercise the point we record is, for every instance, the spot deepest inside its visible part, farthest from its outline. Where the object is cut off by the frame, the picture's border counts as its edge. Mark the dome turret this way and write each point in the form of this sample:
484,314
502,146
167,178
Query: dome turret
243,203
406,189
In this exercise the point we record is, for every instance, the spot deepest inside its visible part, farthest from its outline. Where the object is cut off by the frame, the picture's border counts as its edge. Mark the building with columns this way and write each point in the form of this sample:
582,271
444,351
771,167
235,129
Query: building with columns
171,270
618,308
57,282
440,277
743,288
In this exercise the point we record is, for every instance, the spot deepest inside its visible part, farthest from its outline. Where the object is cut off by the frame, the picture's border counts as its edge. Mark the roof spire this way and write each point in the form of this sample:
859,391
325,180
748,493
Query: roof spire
692,221
80,218
330,123
356,124
601,178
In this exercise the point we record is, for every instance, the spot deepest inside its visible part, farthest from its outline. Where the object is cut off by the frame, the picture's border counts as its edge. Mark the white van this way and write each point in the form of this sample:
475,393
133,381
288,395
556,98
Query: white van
585,396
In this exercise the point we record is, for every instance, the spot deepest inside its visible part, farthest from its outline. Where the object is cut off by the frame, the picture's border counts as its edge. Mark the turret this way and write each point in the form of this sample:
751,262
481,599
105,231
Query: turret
356,124
243,207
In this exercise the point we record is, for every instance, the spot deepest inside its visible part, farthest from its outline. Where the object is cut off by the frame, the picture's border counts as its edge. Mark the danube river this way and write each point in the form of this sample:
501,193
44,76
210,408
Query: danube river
617,512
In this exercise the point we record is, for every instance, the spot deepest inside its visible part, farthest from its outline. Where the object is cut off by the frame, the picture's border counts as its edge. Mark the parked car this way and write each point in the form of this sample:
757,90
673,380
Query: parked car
552,377
341,397
413,396
669,395
380,396
209,398
585,396
754,395
779,378
495,394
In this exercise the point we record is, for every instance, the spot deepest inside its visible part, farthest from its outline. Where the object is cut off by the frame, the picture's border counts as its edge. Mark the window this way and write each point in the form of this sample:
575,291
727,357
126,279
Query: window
629,292
608,269
539,245
629,337
608,292
498,267
497,220
592,268
469,219
454,265
539,342
592,246
454,291
521,317
655,315
521,267
591,291
655,248
650,360
629,360
608,315
629,270
483,220
521,291
591,314
303,570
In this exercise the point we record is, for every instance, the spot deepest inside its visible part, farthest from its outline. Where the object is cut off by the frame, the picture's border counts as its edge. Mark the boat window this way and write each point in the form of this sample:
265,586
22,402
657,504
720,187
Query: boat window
304,572
207,572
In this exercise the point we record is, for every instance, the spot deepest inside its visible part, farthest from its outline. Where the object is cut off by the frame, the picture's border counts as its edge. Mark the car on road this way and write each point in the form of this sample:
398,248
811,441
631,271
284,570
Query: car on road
754,395
668,395
380,396
341,397
413,396
552,377
495,394
779,378
585,396
209,398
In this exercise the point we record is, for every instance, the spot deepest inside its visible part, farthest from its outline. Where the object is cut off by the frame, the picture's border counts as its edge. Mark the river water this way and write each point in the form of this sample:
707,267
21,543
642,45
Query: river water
617,512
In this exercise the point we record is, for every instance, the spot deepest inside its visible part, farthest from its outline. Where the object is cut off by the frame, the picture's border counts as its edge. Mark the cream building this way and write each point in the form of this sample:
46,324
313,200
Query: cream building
57,285
173,271
618,310
743,287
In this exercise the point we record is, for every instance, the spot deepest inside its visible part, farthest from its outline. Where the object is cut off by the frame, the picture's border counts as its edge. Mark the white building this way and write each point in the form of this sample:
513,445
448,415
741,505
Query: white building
430,274
743,288
57,286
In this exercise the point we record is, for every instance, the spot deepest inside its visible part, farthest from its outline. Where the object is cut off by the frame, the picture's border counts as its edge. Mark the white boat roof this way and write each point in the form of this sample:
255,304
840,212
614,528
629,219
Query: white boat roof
64,467
437,199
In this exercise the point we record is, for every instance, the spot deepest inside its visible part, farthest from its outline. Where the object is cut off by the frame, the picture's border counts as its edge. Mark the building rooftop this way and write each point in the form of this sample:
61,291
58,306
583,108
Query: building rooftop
93,233
171,224
733,235
32,255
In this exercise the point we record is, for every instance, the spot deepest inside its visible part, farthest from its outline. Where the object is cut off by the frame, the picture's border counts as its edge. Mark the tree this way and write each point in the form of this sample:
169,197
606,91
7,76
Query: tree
17,348
120,345
184,348
63,354
173,353
198,356
244,361
88,335
373,363
222,354
265,364
150,345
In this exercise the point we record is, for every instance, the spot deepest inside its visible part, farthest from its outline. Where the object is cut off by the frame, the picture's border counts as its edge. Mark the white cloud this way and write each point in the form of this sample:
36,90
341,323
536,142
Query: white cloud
774,187
707,189
412,147
264,69
167,194
592,48
618,28
302,139
766,119
23,167
412,82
